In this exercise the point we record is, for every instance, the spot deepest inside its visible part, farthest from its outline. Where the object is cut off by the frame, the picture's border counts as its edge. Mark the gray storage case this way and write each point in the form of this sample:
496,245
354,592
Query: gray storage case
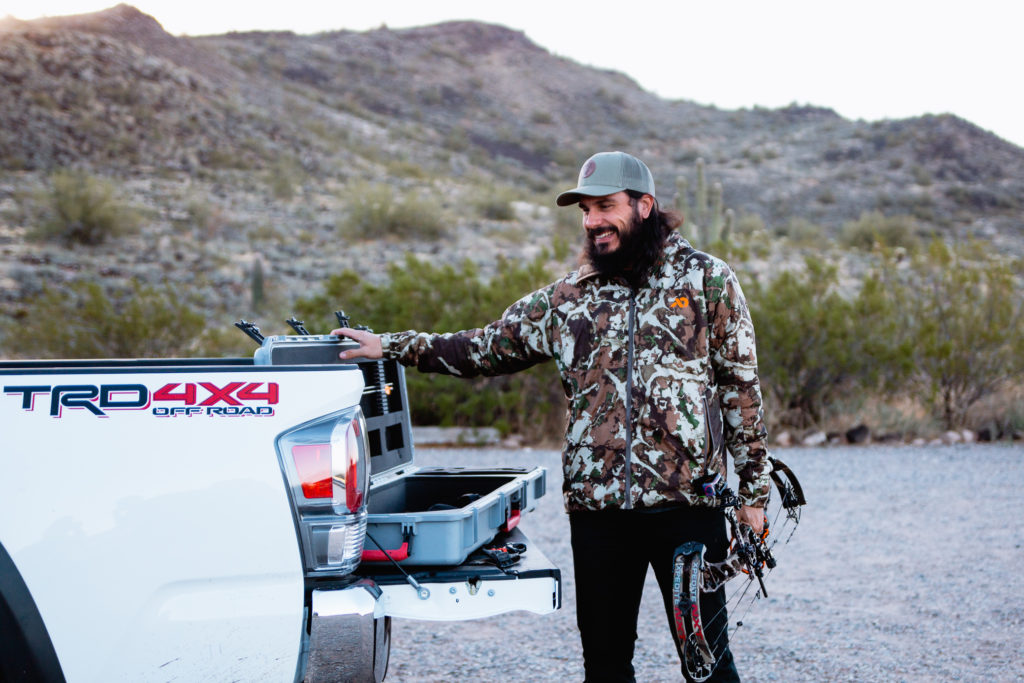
429,516
438,516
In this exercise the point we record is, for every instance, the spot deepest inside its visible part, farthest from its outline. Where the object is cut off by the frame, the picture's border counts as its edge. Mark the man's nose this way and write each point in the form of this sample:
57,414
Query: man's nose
591,220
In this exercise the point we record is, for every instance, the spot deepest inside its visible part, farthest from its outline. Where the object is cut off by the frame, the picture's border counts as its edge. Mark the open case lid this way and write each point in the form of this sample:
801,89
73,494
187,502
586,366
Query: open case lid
386,411
384,399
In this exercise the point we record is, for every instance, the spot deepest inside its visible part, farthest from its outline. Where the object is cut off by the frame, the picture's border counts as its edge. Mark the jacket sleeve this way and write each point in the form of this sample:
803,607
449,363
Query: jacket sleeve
734,360
519,340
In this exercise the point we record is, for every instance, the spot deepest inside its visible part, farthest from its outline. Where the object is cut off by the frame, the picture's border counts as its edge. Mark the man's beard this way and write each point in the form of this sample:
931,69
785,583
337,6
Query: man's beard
640,246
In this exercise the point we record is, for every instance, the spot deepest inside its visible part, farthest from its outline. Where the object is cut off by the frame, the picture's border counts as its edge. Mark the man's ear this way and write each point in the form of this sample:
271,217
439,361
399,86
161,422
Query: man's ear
645,204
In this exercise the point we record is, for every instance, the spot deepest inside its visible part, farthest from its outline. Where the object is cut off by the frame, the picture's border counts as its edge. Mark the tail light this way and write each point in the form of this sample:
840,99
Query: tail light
326,465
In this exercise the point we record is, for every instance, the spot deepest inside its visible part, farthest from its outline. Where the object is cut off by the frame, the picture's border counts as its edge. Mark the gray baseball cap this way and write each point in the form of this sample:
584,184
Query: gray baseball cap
607,173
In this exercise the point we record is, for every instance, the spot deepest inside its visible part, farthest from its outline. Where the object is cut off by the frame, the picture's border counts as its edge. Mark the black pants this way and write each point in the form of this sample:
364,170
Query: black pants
611,550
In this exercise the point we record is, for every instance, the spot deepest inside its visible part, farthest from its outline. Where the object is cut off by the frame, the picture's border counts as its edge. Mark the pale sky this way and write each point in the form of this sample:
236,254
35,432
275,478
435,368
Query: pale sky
867,59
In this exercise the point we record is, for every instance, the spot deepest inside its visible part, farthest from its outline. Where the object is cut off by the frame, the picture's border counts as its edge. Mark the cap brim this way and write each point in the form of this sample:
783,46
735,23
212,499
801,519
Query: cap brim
573,196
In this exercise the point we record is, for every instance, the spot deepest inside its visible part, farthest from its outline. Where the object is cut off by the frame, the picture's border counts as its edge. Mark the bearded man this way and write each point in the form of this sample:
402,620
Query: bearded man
655,348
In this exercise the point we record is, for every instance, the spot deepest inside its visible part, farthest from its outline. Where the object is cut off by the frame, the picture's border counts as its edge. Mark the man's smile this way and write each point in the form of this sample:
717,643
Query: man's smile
603,235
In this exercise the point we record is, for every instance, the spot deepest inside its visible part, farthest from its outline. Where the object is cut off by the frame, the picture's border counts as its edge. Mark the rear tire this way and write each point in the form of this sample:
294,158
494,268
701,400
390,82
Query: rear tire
381,648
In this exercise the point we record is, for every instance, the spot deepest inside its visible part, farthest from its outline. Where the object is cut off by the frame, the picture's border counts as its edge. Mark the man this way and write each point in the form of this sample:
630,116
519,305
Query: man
655,348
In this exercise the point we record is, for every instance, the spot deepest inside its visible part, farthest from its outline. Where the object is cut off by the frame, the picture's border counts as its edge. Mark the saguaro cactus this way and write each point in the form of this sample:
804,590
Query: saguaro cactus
256,285
701,215
683,206
702,224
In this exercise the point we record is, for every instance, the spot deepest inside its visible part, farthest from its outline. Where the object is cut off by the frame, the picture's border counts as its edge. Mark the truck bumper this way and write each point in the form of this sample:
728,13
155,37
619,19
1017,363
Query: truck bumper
350,627
472,590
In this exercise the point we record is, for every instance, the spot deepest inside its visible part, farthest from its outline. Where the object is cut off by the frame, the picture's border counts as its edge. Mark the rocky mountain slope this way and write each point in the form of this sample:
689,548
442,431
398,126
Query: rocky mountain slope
256,146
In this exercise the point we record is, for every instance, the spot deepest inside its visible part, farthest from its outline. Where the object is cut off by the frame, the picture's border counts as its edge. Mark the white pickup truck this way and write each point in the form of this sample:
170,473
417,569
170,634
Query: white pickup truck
239,519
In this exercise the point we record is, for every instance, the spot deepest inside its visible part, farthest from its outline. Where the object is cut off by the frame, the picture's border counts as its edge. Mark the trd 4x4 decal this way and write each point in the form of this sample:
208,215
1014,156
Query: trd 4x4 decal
195,398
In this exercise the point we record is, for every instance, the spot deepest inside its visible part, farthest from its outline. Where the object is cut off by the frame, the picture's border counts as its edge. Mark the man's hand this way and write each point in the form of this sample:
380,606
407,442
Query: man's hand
369,344
752,517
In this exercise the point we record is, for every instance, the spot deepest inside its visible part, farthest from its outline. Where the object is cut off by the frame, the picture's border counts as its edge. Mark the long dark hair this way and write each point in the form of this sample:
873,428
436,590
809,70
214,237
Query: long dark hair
657,220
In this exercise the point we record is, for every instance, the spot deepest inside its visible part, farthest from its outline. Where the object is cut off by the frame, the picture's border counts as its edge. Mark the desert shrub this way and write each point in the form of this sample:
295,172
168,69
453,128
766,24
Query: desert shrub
875,229
947,333
999,415
567,234
884,350
569,223
965,321
749,224
406,169
816,344
827,196
443,298
800,231
206,219
495,205
82,321
257,285
265,232
982,198
283,176
802,326
376,210
81,208
921,175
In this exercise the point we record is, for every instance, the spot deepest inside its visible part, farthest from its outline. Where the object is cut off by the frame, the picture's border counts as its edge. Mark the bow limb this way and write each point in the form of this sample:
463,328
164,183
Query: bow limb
696,653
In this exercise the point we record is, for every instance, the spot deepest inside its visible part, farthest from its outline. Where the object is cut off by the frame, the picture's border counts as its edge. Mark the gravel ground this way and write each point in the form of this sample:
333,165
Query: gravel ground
903,569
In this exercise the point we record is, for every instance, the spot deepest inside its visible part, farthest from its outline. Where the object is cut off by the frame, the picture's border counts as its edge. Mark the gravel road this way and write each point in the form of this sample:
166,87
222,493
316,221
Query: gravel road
906,567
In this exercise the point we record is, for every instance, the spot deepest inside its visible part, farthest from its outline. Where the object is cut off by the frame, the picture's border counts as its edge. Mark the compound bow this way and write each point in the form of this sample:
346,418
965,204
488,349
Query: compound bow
749,554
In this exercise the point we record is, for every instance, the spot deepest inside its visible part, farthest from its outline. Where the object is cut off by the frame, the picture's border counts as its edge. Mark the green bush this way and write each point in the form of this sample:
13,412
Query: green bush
81,208
442,298
406,169
567,235
376,211
804,338
283,176
82,321
801,231
875,229
945,333
569,222
964,318
496,205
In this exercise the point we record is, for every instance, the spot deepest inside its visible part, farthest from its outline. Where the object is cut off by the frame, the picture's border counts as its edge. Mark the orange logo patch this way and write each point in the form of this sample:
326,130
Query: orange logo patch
680,302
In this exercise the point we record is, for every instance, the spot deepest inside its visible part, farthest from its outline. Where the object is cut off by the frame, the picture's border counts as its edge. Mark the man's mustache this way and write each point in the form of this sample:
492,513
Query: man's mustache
593,232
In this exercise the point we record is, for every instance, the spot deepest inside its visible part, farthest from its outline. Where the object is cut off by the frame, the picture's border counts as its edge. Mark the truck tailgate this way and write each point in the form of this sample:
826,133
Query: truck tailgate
471,590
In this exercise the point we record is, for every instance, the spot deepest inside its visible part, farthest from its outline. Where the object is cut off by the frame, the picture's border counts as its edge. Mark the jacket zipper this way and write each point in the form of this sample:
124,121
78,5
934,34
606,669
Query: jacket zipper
628,505
709,437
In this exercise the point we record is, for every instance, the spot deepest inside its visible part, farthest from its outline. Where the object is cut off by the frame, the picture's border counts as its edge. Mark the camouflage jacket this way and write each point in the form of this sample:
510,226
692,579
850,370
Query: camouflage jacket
676,355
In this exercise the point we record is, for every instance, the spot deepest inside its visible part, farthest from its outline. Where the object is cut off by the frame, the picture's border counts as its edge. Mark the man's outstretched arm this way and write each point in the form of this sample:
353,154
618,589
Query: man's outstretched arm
516,341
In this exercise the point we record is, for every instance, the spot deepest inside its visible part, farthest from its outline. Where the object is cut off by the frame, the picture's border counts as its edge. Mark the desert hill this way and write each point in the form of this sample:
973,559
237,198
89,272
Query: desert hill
251,146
